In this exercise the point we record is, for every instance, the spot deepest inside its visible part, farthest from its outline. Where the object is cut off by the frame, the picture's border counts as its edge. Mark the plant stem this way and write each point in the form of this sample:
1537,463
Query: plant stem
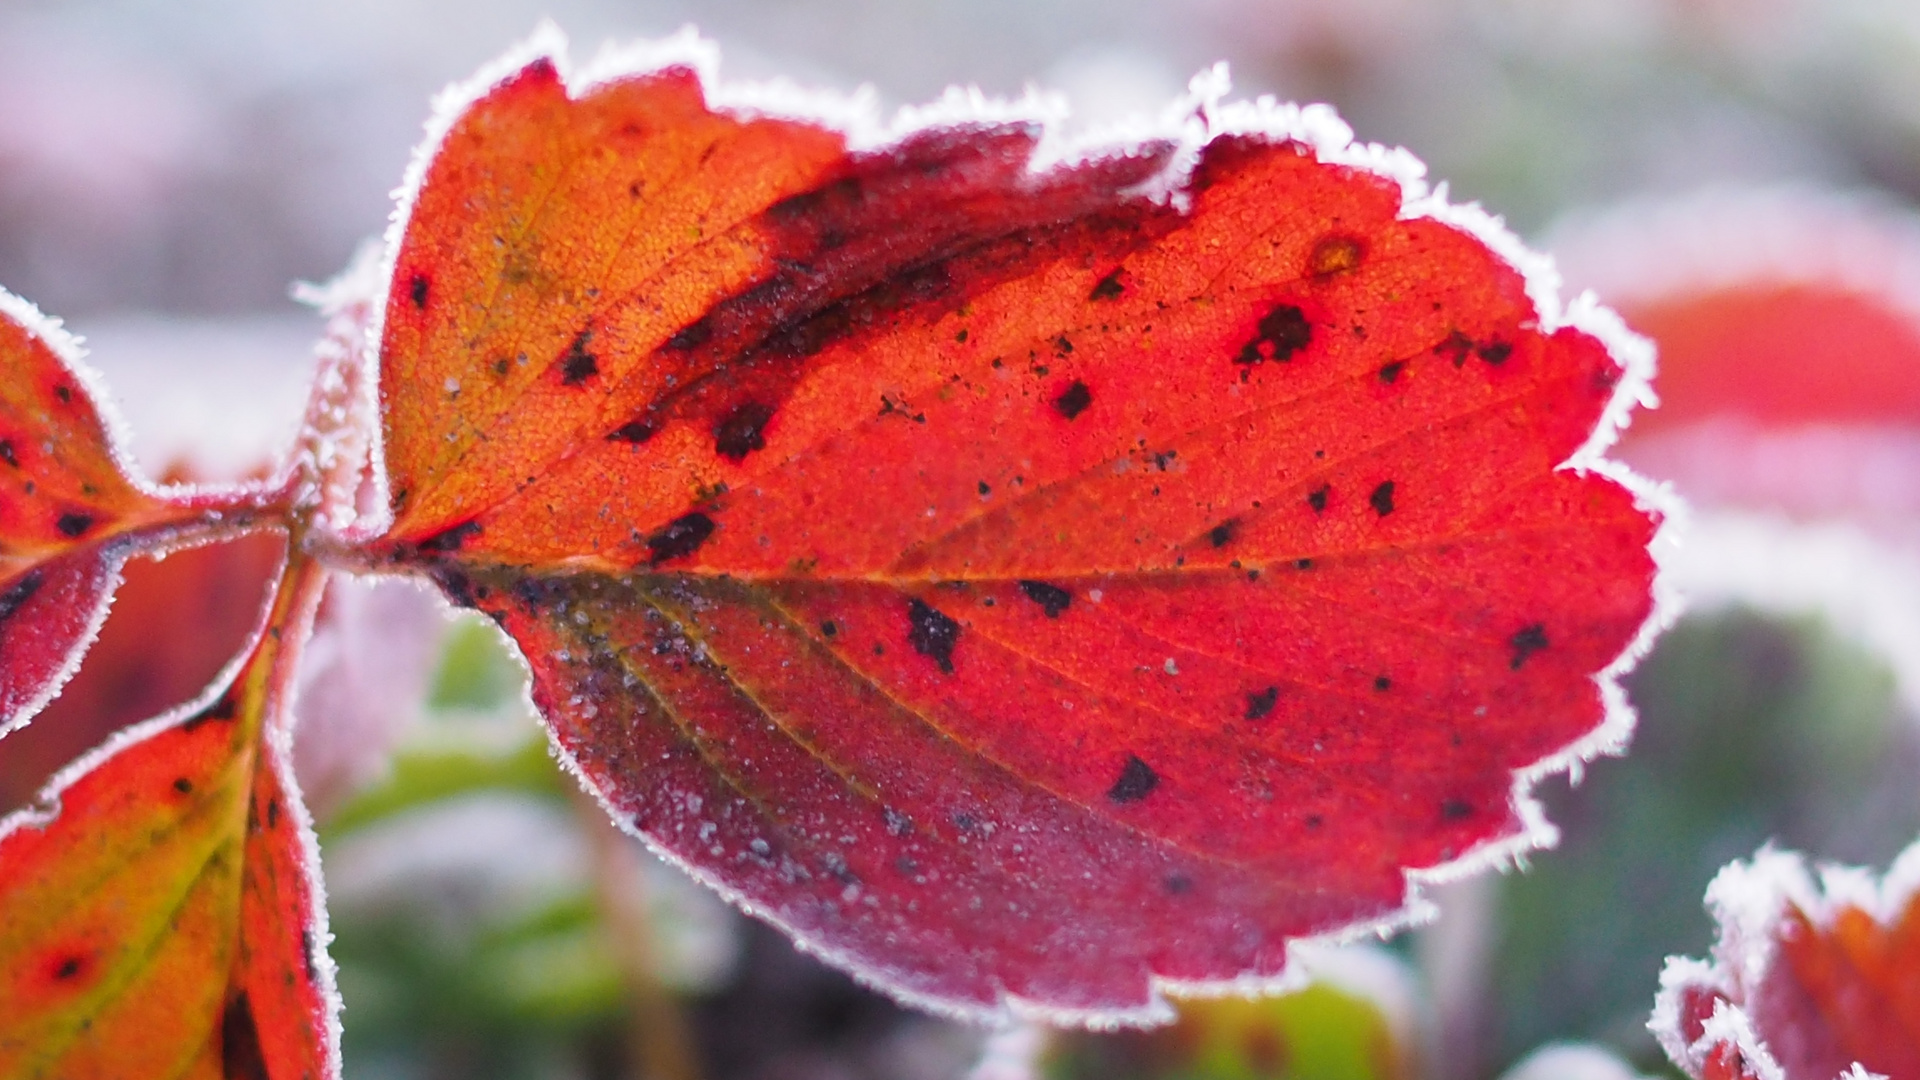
658,1045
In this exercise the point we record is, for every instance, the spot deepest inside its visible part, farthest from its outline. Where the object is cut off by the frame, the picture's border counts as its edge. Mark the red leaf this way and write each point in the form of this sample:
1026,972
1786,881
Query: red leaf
1016,587
176,623
1788,325
69,511
1807,981
159,913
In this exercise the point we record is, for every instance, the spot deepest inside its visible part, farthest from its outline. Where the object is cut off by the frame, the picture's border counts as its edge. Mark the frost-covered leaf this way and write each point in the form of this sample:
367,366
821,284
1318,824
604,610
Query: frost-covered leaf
1807,981
69,511
159,910
1016,586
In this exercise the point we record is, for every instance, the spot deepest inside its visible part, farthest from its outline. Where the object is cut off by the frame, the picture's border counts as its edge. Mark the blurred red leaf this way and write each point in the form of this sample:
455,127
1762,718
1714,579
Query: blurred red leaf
1806,981
1015,587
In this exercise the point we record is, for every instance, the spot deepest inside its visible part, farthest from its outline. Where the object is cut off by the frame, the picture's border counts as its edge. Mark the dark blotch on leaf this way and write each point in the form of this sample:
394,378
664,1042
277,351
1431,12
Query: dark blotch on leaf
1382,498
679,538
1494,352
1221,534
68,967
1280,333
183,785
1107,288
74,526
633,431
1382,683
829,628
1074,400
1137,781
742,430
241,1057
448,541
64,393
1317,498
1260,703
1052,598
223,709
19,593
1455,809
579,364
692,337
7,454
931,633
1390,373
417,289
1455,347
1179,884
1525,642
273,813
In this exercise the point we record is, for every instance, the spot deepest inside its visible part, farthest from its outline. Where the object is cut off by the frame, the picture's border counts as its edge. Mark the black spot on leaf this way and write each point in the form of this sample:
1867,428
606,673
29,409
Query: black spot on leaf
241,1057
1280,333
1107,288
417,289
1317,498
1052,598
1382,683
1525,642
448,541
6,453
742,430
1455,346
579,365
183,785
829,628
1260,703
1455,809
692,336
64,393
679,538
1494,352
931,633
73,525
1220,535
1382,498
633,431
1390,373
1073,400
19,593
1137,781
69,966
1179,884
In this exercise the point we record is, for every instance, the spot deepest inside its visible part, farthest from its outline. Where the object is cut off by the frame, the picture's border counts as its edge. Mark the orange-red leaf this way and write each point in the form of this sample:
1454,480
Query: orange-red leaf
1015,586
69,513
158,915
1806,982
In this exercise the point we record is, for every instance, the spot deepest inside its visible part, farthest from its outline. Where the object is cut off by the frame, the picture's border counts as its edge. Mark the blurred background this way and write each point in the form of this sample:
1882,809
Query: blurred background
169,167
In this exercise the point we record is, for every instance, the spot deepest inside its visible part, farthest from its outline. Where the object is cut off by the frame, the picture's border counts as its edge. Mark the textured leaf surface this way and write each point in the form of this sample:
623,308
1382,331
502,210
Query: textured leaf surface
1807,982
64,499
158,914
1011,585
176,623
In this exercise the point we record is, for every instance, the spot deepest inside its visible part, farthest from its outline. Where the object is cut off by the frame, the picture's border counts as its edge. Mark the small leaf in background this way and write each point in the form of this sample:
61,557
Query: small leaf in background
159,916
1750,729
1012,586
69,512
1807,981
